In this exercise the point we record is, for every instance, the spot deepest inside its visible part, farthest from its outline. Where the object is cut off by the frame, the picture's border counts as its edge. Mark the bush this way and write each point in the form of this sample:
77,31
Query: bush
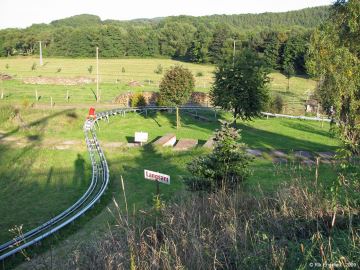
276,104
7,66
224,168
34,66
138,100
26,103
159,69
59,70
199,74
123,70
90,69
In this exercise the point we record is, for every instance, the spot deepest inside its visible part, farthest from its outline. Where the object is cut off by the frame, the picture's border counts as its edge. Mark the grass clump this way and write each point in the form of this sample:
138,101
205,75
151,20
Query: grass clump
7,112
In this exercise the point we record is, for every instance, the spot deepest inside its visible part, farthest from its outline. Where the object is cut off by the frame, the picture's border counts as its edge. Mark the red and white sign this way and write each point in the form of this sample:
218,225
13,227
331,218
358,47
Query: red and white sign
155,176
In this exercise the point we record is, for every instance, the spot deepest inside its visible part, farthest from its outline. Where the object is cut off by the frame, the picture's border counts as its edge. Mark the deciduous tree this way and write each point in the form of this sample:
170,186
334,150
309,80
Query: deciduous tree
176,87
334,59
241,87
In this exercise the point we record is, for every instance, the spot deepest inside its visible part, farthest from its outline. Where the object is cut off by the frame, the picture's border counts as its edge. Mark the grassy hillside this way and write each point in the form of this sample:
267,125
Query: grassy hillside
113,81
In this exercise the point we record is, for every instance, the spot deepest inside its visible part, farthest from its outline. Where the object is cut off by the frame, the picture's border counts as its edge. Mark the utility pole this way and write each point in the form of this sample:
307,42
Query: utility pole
41,60
234,53
97,75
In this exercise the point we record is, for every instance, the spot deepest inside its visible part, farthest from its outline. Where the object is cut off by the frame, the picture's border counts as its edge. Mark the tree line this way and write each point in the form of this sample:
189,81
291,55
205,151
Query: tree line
280,37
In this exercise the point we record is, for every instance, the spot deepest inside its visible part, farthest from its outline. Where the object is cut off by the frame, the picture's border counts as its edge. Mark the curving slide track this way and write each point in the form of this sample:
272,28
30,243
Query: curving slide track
97,187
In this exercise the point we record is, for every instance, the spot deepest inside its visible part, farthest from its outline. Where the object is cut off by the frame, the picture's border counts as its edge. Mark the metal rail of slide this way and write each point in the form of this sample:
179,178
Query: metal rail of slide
98,185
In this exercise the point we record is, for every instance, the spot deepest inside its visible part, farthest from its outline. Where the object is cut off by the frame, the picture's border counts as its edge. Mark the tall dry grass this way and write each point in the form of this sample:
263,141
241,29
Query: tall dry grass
297,227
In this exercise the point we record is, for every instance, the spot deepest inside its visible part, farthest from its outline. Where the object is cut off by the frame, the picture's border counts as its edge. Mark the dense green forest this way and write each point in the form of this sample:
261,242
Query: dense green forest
280,37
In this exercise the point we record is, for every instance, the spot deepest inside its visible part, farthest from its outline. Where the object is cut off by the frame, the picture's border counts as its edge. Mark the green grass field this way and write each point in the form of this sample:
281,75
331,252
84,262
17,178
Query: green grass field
44,165
37,180
114,82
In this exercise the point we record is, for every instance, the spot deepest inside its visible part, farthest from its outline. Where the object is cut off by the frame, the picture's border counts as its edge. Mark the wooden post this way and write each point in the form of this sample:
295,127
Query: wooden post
177,117
51,102
36,95
97,75
317,170
157,188
67,95
2,90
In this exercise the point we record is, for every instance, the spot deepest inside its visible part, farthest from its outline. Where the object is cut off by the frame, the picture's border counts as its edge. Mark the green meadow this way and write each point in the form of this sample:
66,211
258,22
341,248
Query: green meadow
39,179
115,76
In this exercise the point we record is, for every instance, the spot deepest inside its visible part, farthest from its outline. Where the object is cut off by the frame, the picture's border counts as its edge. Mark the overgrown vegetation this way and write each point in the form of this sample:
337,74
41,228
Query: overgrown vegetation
301,225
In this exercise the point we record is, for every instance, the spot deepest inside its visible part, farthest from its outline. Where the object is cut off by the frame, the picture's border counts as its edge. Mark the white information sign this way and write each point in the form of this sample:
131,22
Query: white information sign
141,137
155,176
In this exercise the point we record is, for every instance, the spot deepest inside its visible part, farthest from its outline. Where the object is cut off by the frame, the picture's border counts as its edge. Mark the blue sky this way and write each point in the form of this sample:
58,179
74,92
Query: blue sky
23,13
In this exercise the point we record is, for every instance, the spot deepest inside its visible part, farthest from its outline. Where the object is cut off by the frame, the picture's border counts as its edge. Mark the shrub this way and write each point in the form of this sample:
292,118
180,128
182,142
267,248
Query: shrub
138,100
276,104
123,70
199,74
34,66
224,168
159,69
90,69
7,66
59,70
26,103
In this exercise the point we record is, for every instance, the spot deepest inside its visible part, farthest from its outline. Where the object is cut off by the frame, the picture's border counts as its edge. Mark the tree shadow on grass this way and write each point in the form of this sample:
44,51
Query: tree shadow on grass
257,138
186,121
306,127
39,122
140,191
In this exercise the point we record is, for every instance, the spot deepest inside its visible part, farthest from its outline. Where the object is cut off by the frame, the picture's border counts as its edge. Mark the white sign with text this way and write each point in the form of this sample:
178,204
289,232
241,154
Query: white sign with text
141,137
155,176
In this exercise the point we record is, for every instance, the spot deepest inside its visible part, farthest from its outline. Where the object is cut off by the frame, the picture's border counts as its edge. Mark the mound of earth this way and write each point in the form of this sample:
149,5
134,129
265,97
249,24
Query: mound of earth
58,80
5,77
134,83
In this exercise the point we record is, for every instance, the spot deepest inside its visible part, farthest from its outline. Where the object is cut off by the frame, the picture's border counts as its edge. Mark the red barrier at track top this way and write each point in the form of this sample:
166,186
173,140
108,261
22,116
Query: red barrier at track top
91,113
